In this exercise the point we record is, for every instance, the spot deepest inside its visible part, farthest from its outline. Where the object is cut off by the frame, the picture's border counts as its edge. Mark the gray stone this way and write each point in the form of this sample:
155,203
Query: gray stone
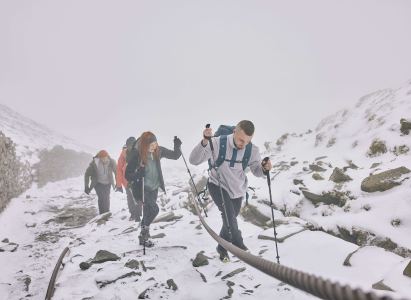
381,286
305,169
383,181
202,276
85,266
172,285
233,273
297,182
199,227
168,217
6,240
321,157
103,256
407,270
262,251
317,176
11,247
347,260
158,236
133,264
316,168
143,295
293,163
200,260
321,198
374,165
28,225
339,176
250,213
219,273
405,126
107,282
143,266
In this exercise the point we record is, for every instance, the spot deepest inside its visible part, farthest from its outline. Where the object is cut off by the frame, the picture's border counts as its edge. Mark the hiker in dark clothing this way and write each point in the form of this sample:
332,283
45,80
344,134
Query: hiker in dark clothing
134,207
147,152
101,171
233,178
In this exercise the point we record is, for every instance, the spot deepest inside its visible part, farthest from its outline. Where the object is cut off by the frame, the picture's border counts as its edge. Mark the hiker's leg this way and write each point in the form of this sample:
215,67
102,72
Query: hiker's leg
101,196
151,208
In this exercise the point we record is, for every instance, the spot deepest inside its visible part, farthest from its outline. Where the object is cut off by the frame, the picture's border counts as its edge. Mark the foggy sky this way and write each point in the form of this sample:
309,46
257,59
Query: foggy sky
101,71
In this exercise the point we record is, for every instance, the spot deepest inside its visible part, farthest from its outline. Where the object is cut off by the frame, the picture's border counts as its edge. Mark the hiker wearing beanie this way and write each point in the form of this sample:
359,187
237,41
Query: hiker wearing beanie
134,207
101,171
147,152
233,177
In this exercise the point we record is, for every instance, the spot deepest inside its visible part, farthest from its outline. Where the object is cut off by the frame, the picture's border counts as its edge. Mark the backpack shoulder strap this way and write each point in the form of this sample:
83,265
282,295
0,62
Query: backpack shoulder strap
247,155
221,152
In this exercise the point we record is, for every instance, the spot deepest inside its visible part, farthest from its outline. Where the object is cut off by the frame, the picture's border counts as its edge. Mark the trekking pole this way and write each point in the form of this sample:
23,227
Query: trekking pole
219,183
143,220
267,173
198,197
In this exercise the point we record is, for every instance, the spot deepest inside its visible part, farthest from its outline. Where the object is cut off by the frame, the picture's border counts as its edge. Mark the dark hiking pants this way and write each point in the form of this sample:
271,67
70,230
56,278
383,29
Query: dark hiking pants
103,194
233,207
150,209
134,209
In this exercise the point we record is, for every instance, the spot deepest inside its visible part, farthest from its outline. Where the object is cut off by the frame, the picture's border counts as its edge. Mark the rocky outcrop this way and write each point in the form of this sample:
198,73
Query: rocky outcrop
384,181
59,164
15,176
381,286
317,168
327,199
317,176
251,214
407,270
338,175
103,256
200,260
405,126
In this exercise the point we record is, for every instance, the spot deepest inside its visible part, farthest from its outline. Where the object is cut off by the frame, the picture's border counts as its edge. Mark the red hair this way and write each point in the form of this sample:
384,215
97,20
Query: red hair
144,146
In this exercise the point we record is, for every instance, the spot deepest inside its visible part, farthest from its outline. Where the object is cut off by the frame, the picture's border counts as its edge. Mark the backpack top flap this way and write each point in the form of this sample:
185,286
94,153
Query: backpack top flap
224,130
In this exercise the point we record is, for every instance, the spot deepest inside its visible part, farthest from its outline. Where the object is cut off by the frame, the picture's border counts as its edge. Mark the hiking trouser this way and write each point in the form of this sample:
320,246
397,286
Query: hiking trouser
150,207
233,207
134,209
103,194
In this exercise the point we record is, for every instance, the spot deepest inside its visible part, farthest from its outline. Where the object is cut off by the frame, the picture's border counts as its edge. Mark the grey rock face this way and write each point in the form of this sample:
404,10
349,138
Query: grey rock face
383,181
293,163
200,260
321,198
233,273
15,176
85,266
132,264
407,270
317,176
316,168
405,126
297,182
321,157
103,256
381,286
338,175
172,285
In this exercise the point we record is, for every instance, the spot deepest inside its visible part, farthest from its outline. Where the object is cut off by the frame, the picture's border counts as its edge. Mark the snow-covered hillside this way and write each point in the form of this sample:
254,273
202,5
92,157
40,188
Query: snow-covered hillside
30,136
342,232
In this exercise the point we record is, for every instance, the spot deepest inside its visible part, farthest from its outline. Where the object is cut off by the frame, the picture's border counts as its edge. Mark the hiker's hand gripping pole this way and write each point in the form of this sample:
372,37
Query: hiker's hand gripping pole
219,181
267,173
189,172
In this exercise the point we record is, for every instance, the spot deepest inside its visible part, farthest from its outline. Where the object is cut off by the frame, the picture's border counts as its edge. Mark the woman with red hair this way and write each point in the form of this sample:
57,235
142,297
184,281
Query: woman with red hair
145,162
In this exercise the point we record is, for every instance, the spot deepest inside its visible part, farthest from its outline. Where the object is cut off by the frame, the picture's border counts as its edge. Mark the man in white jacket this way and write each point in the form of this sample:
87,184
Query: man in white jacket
233,178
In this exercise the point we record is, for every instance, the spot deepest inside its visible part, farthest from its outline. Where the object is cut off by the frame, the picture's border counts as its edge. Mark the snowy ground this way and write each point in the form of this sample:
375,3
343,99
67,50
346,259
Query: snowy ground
40,246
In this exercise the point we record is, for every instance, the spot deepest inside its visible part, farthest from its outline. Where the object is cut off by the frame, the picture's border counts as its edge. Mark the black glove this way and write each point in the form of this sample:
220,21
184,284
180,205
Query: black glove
119,189
87,190
177,142
141,172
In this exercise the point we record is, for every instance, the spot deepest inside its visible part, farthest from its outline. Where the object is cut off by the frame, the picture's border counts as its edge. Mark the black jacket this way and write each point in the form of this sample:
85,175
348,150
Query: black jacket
134,164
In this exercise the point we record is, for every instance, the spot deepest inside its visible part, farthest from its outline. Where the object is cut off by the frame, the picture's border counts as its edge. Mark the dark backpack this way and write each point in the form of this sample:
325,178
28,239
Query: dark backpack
223,131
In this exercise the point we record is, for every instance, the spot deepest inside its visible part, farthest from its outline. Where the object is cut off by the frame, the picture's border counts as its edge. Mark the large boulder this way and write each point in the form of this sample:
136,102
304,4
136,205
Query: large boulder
338,175
405,126
103,256
384,181
407,270
200,260
327,199
250,213
317,176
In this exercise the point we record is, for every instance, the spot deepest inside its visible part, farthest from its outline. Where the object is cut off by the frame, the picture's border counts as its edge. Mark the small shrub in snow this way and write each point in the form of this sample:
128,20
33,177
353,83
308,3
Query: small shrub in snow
355,144
319,138
366,207
267,145
331,142
396,222
347,208
400,150
377,147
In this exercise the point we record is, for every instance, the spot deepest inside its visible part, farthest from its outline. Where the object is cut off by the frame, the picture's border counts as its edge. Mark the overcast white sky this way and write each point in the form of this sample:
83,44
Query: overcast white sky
101,71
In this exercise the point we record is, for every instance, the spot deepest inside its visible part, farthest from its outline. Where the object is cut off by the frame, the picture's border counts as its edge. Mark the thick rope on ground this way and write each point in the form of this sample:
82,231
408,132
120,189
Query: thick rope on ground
50,289
323,289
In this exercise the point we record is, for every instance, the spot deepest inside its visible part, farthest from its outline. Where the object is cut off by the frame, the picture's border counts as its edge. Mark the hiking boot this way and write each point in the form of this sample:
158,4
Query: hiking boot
143,238
244,247
223,255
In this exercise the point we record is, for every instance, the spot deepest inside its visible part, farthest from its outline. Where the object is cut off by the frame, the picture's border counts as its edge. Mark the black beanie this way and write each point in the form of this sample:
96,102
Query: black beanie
130,141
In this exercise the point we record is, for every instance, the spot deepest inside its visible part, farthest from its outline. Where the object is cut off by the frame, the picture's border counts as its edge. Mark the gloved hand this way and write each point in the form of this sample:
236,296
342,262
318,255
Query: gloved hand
177,142
87,190
119,189
141,172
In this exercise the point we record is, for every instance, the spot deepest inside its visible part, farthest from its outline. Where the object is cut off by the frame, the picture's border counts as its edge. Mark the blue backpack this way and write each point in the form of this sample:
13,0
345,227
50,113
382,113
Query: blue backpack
223,131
